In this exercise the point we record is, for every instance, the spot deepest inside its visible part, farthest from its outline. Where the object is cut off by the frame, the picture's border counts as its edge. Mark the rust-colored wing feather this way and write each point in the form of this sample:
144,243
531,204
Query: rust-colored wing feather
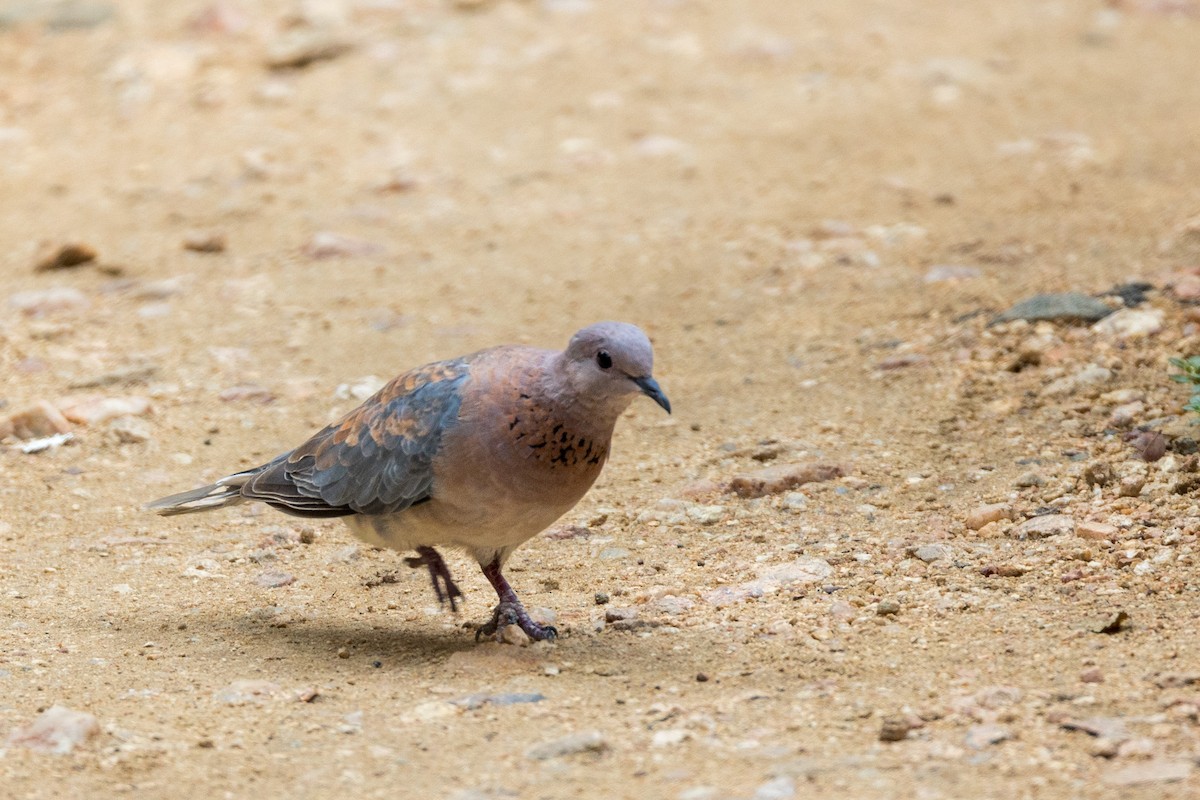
378,459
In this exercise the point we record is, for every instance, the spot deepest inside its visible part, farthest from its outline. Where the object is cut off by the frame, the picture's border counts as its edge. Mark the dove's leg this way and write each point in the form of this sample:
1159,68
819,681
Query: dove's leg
510,611
443,585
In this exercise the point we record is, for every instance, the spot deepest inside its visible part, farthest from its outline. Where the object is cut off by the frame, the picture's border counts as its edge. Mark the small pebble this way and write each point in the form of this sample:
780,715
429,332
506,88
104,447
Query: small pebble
1003,571
247,393
1096,530
475,701
887,608
782,477
326,244
613,553
842,610
672,605
127,430
895,729
1131,486
299,47
512,634
782,787
57,730
933,552
351,723
573,744
986,734
345,554
94,409
1098,473
204,242
41,302
274,580
39,420
669,737
706,515
248,692
1185,446
1090,376
1138,747
1131,323
1126,414
617,614
1115,623
1030,479
795,501
1043,527
64,256
1068,306
982,515
942,273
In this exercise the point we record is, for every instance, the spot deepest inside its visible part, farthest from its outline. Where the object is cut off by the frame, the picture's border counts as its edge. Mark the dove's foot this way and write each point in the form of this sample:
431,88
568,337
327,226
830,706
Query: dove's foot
443,585
509,614
510,611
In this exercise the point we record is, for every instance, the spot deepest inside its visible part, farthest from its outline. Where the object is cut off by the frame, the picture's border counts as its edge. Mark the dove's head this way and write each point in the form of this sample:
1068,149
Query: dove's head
610,363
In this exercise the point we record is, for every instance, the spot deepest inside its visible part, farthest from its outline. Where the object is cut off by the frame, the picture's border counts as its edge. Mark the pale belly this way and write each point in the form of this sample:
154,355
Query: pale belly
480,531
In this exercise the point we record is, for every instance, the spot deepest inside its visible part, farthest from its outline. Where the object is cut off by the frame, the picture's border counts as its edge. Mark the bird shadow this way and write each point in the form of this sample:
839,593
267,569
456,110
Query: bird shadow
396,643
256,636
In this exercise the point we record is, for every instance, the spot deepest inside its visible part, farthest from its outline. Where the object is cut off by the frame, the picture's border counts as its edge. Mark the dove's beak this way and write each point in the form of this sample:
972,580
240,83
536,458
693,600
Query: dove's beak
651,389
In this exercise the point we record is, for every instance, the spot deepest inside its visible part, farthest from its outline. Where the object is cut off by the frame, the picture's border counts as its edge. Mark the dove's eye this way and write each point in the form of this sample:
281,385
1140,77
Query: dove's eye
603,359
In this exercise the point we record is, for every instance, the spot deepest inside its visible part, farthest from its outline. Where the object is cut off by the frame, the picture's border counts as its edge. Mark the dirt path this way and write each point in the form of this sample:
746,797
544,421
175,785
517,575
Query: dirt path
813,209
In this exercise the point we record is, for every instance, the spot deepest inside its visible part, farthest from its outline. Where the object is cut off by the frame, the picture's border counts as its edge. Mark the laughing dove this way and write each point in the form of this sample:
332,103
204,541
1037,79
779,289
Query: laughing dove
480,452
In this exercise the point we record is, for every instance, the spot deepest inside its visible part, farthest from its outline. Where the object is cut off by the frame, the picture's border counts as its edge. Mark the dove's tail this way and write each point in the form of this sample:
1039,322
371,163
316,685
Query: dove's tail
225,492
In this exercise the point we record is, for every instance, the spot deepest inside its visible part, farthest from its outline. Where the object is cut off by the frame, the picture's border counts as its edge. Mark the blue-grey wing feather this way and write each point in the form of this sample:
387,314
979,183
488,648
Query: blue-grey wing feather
378,459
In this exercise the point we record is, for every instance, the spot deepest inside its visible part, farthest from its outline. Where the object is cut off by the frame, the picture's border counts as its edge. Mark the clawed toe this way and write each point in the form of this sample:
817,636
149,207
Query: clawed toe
509,614
546,633
504,614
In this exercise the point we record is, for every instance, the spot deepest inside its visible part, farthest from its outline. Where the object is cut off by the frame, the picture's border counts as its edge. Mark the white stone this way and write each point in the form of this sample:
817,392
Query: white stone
56,730
1131,323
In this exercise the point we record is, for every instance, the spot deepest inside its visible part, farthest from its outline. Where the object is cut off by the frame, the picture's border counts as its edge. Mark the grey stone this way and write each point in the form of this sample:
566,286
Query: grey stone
1066,307
474,701
56,15
887,608
613,553
983,735
1044,526
933,552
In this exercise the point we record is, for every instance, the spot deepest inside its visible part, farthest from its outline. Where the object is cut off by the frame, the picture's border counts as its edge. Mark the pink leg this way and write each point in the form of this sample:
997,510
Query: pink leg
510,611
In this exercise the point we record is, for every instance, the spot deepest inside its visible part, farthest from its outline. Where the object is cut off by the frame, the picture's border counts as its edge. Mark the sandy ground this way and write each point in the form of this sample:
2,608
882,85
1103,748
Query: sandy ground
814,209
